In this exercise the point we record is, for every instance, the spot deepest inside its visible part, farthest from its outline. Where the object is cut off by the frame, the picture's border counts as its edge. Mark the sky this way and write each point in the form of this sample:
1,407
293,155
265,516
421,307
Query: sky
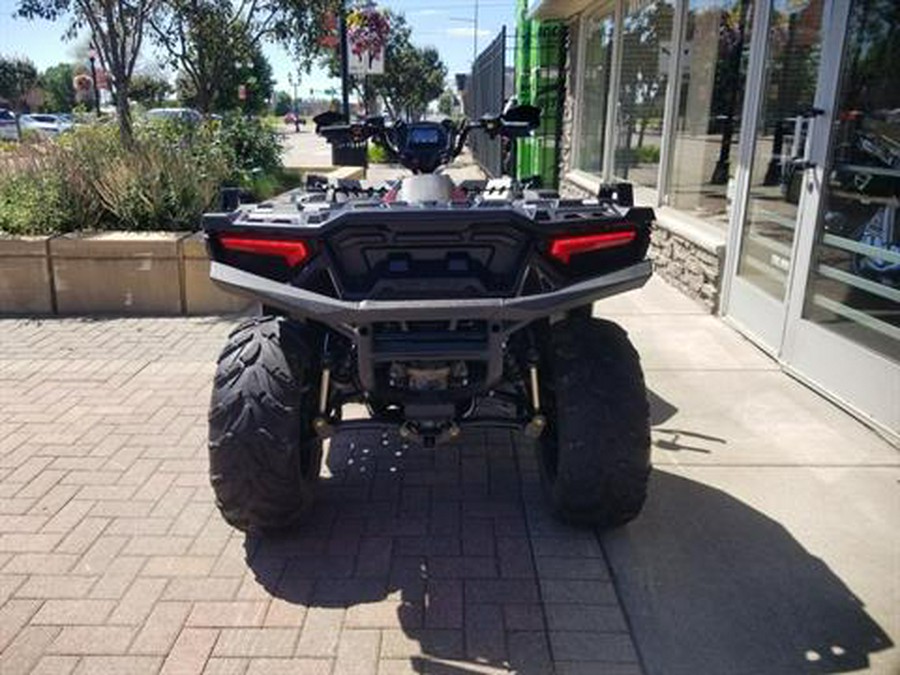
447,25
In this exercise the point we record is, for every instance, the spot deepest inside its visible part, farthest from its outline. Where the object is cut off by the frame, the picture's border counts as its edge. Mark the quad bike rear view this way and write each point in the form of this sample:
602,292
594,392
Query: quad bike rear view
442,307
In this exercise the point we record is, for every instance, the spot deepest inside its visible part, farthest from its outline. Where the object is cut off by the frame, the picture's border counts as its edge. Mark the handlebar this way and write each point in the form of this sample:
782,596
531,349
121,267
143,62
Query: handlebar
517,122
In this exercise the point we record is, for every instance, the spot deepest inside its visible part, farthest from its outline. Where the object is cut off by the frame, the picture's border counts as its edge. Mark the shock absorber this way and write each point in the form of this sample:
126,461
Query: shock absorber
538,422
323,390
321,425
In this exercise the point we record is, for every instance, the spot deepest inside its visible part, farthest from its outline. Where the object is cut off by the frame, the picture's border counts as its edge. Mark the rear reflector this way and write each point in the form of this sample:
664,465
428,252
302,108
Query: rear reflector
292,251
565,247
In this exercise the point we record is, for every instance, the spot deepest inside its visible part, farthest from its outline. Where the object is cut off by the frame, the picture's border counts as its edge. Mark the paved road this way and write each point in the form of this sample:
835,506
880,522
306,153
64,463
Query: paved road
769,544
305,149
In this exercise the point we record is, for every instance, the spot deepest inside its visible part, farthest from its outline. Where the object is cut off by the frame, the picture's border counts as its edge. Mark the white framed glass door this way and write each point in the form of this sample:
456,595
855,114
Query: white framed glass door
813,273
786,65
843,322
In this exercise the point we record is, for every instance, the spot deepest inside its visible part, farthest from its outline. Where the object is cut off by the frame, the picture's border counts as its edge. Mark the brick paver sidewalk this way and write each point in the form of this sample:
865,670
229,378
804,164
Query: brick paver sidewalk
113,558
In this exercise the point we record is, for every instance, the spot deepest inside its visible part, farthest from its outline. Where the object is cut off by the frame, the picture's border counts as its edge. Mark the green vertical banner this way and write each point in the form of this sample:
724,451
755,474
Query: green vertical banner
540,75
523,84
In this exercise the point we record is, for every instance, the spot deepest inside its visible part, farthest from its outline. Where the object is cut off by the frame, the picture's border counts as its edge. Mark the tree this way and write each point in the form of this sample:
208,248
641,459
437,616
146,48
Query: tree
412,79
149,89
252,72
446,103
17,77
59,91
197,38
728,85
203,39
117,27
283,103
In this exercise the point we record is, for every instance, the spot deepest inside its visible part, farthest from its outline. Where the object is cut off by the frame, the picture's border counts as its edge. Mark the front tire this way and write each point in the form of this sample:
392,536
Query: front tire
594,455
263,455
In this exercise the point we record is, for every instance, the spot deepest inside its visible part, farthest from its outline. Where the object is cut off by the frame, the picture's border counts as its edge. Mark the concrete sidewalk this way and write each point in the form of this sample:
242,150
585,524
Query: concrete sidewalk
770,541
769,544
305,149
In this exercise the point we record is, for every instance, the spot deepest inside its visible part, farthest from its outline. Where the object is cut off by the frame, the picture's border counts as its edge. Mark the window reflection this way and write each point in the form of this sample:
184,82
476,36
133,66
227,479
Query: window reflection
646,54
792,63
713,73
854,286
597,67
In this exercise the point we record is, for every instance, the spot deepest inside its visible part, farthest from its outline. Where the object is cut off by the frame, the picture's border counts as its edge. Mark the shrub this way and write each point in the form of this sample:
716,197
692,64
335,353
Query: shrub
267,185
165,182
88,180
648,154
376,154
31,204
254,145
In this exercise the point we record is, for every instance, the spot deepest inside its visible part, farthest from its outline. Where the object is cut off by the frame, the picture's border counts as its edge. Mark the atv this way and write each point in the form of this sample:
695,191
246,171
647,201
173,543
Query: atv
441,307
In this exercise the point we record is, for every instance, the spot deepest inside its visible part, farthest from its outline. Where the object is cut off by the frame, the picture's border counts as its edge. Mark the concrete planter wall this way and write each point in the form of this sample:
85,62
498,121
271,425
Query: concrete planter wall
25,281
121,273
202,296
116,273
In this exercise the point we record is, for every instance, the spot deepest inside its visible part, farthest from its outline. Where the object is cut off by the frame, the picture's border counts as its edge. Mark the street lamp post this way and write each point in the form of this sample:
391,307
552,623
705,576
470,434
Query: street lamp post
474,22
473,79
294,106
92,57
244,85
345,61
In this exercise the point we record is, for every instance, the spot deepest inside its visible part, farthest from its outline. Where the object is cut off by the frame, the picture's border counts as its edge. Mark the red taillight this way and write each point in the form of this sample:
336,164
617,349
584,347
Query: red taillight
564,248
292,251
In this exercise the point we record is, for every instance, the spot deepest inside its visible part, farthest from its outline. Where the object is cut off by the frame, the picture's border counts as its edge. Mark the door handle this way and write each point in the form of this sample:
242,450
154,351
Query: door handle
801,164
805,122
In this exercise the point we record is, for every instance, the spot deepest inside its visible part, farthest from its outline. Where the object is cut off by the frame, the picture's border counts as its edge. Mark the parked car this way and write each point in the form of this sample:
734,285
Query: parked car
188,115
47,126
8,129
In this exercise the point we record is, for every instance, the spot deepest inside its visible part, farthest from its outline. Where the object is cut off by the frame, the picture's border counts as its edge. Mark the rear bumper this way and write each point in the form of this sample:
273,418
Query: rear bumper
356,320
345,316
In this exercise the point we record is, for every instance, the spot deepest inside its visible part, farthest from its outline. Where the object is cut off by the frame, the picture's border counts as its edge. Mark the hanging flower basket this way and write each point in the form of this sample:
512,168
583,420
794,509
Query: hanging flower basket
367,31
83,82
329,38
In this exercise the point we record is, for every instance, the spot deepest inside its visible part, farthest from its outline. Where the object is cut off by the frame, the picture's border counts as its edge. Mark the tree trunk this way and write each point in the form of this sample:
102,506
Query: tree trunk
123,110
203,100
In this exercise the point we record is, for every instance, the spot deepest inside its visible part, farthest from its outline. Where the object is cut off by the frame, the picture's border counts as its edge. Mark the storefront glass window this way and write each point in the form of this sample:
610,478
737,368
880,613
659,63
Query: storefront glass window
713,72
854,284
598,47
646,53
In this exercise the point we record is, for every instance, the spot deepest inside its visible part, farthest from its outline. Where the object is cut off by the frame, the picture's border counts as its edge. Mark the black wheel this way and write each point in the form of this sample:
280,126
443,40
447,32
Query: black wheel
595,453
263,454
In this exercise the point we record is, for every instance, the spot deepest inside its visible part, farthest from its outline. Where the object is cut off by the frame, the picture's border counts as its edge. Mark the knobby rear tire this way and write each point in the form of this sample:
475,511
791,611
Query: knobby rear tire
594,455
264,458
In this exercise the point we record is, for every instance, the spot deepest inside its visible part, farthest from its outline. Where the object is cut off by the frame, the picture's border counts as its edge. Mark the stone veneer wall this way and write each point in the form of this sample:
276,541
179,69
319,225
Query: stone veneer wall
566,154
692,269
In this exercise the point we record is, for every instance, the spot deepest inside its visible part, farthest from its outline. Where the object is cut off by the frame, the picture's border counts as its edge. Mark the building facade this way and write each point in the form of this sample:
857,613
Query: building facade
766,133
